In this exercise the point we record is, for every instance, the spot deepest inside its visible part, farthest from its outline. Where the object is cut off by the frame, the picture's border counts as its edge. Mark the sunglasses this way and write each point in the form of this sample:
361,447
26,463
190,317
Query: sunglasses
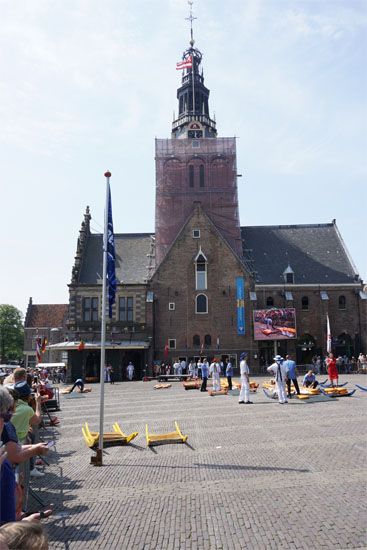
6,416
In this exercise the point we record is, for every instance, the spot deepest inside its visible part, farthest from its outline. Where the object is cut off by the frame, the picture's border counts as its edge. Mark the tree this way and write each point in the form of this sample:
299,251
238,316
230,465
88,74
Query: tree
11,333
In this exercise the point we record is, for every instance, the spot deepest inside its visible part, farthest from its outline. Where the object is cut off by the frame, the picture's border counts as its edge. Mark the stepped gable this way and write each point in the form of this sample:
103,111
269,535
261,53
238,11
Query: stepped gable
132,261
315,252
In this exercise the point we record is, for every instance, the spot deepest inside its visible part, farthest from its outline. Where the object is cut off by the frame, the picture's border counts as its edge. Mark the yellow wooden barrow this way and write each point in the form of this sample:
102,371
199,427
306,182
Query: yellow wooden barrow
170,437
110,439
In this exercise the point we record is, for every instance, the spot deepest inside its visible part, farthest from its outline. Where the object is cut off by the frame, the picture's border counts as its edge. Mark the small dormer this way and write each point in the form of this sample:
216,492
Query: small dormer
288,275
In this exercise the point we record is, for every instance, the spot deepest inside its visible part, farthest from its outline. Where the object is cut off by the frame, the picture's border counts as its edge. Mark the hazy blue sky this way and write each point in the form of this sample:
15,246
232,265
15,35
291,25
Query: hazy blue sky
87,85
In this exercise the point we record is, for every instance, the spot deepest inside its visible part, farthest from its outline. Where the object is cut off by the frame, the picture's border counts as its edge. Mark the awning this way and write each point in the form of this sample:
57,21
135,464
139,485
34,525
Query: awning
122,344
51,365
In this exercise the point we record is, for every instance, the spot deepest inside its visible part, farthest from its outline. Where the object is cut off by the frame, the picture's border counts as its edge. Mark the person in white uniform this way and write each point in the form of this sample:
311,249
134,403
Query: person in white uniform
130,371
279,370
244,397
214,372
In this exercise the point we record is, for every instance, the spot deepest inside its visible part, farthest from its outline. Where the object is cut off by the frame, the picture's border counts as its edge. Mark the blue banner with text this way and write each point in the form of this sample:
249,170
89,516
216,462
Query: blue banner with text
240,290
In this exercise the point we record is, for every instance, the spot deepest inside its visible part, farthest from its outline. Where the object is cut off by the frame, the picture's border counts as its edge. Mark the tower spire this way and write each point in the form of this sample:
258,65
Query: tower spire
191,18
193,119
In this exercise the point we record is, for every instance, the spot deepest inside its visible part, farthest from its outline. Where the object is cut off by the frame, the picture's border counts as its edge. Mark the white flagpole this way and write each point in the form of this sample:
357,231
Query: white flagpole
193,83
99,461
328,334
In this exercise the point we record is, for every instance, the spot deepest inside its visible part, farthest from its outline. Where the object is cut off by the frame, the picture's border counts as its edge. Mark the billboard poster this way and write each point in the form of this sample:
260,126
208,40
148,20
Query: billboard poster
275,323
240,294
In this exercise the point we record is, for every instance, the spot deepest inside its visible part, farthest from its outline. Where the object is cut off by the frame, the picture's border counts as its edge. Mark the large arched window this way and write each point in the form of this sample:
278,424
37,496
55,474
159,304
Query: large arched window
342,302
201,303
201,175
269,301
201,272
191,175
196,340
305,303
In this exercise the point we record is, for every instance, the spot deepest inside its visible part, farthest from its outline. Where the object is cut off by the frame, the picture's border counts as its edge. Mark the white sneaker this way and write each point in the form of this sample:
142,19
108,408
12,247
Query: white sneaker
36,473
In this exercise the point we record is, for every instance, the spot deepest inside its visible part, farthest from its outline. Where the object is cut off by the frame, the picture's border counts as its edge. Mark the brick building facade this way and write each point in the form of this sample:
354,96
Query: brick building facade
190,289
44,321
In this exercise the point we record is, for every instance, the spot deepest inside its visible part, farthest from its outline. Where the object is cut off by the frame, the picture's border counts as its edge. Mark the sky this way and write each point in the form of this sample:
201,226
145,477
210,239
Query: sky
86,86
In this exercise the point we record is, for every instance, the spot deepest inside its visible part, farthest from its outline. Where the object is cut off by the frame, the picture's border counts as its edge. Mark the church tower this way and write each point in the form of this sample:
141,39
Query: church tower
194,165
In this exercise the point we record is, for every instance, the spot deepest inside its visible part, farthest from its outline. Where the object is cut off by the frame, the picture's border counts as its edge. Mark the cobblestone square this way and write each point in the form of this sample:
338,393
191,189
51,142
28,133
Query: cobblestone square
256,476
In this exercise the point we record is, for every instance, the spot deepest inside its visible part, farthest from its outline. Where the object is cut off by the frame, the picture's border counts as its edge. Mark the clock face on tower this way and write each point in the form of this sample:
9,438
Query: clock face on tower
193,134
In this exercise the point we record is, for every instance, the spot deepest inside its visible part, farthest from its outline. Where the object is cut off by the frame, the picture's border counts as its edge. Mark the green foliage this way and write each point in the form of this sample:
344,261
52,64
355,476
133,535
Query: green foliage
11,333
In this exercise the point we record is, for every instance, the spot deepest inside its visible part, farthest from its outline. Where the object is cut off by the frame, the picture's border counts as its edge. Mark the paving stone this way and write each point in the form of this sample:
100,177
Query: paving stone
262,476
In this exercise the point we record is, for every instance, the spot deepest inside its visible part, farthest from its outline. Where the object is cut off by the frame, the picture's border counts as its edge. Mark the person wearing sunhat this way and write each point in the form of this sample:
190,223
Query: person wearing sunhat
279,370
244,398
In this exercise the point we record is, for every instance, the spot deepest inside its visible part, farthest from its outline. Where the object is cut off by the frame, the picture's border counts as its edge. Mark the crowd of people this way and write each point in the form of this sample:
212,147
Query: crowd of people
22,396
345,364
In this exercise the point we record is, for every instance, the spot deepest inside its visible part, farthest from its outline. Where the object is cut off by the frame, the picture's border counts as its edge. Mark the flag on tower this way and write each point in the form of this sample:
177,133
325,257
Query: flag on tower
328,334
184,64
111,258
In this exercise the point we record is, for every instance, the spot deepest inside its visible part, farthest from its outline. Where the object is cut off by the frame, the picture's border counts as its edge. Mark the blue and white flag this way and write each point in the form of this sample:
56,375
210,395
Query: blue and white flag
111,258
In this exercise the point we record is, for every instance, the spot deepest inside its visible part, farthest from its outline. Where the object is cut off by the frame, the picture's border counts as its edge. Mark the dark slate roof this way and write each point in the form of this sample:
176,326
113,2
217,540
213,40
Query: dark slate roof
316,254
131,258
46,315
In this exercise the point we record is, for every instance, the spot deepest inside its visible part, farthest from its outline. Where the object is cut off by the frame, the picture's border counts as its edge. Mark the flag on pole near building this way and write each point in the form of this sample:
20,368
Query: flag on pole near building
44,344
328,334
184,64
39,349
111,258
202,348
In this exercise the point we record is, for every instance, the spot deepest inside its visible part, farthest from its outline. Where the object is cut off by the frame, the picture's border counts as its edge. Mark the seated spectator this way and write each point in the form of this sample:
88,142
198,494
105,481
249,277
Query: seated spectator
16,453
309,380
18,375
25,417
7,477
45,388
23,535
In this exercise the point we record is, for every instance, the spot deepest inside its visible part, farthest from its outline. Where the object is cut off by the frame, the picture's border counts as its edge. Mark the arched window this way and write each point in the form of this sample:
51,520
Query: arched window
208,340
201,272
269,301
191,175
201,303
305,303
342,302
196,340
201,173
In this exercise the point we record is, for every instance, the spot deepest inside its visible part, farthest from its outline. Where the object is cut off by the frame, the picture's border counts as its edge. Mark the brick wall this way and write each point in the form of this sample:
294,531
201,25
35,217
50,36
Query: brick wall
175,282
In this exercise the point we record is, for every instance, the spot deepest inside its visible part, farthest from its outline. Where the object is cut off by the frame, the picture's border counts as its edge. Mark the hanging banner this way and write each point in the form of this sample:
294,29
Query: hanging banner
240,290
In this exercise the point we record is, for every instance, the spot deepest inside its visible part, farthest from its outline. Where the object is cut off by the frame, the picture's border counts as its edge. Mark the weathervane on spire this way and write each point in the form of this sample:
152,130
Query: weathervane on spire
191,18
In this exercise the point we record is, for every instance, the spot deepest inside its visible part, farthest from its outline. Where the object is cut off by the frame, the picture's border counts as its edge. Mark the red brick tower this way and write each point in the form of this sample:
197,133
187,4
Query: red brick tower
194,165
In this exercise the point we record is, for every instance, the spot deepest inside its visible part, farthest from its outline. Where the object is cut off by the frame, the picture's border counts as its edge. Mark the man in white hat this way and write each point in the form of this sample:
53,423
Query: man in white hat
279,370
244,398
